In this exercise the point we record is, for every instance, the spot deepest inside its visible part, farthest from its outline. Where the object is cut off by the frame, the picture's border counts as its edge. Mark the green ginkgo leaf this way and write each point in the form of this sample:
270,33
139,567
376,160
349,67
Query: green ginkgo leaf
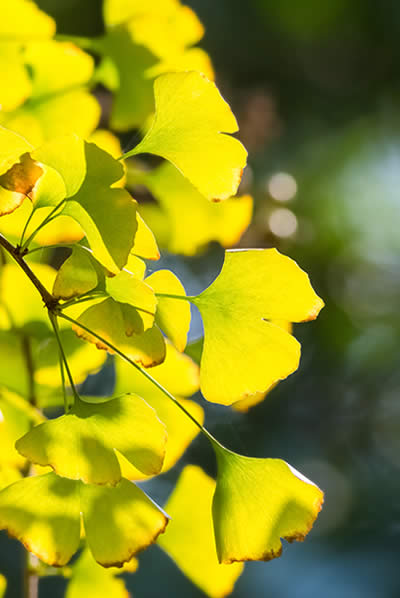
189,130
173,317
200,563
13,423
180,375
90,434
128,290
119,521
111,321
256,503
43,512
185,222
244,351
76,276
92,199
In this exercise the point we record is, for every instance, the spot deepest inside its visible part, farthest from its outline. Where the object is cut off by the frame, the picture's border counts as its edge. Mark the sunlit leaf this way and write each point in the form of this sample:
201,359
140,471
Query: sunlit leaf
126,289
256,503
193,59
180,376
119,521
43,513
76,276
110,239
110,143
172,316
190,221
108,320
22,18
200,563
145,245
93,581
13,423
3,585
244,352
9,475
90,433
16,84
12,146
21,298
250,401
188,130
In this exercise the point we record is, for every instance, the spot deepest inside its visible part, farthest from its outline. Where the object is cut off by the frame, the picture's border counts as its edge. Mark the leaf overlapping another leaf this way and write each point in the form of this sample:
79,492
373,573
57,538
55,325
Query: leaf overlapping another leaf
90,435
44,513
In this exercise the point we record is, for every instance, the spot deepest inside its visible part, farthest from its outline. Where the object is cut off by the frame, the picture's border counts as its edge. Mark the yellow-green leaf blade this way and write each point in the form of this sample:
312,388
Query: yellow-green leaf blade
43,513
244,352
76,276
200,563
256,503
189,130
119,521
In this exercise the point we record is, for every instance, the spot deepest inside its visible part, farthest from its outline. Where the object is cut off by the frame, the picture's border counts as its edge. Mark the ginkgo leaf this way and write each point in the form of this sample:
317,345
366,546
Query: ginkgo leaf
256,503
108,320
250,401
190,221
189,130
93,581
22,18
20,297
43,513
13,423
16,85
76,276
172,316
119,522
145,244
9,475
3,585
244,352
110,239
12,146
90,433
192,59
200,563
178,374
127,289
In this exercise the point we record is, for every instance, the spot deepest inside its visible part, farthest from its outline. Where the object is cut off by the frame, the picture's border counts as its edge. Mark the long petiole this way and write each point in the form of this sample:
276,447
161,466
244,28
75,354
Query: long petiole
52,246
53,320
170,296
66,406
82,299
146,374
48,219
26,226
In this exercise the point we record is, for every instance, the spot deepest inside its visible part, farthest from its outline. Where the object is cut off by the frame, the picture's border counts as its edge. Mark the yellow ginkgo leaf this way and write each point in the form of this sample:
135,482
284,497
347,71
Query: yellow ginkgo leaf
23,19
119,522
12,146
76,276
3,585
16,84
172,316
194,487
43,512
244,351
256,503
145,244
13,424
189,222
189,130
91,433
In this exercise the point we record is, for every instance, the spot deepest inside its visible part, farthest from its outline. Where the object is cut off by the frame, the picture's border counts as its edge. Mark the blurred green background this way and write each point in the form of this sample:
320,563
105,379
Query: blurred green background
316,88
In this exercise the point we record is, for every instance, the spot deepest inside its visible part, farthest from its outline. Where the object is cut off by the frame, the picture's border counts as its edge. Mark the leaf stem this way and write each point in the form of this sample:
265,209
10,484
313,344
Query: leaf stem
46,220
16,253
146,374
171,296
26,226
53,320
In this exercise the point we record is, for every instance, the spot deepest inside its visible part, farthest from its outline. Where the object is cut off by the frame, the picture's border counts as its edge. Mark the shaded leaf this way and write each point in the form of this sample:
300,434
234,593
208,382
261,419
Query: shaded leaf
256,503
76,276
200,563
90,433
119,521
12,146
13,423
108,320
43,513
187,130
244,352
172,316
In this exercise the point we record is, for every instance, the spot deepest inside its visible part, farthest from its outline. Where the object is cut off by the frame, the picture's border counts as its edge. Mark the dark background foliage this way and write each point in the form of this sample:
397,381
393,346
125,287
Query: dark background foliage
315,86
